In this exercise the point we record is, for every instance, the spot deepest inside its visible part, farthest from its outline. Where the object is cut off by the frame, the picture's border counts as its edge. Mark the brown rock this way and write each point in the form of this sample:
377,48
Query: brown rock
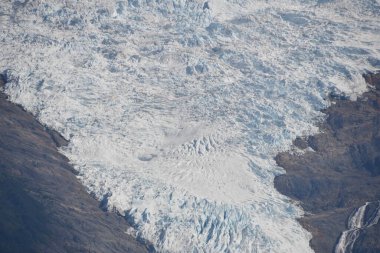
341,174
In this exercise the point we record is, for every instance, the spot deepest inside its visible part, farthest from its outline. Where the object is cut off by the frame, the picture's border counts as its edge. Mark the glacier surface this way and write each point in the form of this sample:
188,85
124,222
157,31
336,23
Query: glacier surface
175,109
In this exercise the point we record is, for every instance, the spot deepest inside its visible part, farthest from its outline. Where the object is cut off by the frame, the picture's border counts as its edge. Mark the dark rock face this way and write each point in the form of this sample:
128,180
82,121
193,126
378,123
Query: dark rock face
43,206
341,174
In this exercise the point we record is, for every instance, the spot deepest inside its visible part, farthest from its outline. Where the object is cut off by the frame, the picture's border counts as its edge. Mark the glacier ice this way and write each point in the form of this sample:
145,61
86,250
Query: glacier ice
175,111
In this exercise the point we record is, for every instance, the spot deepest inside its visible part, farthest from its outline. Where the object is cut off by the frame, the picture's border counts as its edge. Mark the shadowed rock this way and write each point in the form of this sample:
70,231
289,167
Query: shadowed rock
43,206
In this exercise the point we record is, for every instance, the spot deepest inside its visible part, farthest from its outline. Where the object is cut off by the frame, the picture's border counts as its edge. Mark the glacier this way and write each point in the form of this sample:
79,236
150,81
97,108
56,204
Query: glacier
175,109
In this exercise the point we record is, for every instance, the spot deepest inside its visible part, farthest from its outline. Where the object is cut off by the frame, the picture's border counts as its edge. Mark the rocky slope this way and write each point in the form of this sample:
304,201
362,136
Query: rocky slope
43,206
338,170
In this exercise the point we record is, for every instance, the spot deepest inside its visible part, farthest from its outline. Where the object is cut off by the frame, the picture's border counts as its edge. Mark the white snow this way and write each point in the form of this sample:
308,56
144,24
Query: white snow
175,111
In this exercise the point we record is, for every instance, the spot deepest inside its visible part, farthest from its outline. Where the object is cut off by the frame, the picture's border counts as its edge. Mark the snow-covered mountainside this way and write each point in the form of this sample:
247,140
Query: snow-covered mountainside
175,109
